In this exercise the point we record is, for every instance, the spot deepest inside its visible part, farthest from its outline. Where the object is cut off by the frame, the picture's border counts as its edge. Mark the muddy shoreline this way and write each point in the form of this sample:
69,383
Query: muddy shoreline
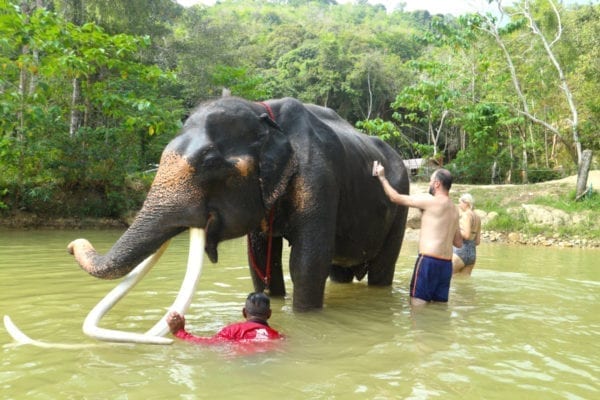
28,221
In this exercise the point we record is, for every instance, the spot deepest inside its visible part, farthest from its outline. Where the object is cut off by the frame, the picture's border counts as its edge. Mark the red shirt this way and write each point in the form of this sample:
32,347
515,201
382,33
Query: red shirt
237,332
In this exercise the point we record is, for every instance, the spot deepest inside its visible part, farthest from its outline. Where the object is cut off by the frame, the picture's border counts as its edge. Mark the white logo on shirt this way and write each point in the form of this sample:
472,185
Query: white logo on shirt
261,334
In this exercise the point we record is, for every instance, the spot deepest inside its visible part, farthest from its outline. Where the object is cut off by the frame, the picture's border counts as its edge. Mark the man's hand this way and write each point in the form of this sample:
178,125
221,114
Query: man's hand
175,321
379,171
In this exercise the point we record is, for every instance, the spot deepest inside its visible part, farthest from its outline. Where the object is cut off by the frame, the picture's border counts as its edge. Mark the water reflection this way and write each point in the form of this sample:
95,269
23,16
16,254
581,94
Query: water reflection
524,325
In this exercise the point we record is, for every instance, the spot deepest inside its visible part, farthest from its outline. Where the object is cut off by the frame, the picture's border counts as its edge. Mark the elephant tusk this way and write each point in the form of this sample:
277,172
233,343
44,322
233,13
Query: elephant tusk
22,338
152,336
190,281
90,325
181,303
15,332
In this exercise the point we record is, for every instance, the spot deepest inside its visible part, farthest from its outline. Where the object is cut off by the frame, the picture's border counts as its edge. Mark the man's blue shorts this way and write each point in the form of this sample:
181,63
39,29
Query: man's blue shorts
431,279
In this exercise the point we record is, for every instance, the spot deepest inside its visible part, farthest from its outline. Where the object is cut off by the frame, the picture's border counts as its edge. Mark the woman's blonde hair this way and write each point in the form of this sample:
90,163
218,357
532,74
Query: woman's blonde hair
468,199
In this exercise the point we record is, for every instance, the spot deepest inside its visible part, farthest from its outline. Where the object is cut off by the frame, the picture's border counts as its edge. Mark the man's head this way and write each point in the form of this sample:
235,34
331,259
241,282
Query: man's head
258,305
441,177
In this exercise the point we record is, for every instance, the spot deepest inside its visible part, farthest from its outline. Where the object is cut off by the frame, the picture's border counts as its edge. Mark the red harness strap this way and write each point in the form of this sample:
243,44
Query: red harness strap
266,277
269,109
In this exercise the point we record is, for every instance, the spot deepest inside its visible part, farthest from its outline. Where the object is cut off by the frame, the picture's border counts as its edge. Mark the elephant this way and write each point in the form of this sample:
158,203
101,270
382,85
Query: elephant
272,170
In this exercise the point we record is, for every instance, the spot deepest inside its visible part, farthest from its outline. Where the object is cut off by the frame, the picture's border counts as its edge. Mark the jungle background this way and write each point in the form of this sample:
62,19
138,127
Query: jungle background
92,90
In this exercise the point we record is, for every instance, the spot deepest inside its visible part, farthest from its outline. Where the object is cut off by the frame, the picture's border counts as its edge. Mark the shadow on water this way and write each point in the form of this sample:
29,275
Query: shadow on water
524,325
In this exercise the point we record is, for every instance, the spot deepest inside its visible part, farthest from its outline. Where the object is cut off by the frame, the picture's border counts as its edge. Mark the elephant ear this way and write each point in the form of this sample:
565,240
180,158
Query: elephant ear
277,163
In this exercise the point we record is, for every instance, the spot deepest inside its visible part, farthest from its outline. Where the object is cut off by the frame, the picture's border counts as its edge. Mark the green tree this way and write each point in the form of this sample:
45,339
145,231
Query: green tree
543,21
487,157
45,150
428,102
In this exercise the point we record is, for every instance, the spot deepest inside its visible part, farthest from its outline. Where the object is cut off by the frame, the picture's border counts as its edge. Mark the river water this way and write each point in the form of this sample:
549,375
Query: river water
526,325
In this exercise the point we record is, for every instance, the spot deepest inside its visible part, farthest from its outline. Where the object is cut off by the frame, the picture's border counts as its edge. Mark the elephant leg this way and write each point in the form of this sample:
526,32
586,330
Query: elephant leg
341,274
310,262
259,246
383,266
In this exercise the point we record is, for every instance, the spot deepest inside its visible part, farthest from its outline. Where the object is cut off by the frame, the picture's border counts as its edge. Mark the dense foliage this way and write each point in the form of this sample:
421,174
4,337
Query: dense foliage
91,90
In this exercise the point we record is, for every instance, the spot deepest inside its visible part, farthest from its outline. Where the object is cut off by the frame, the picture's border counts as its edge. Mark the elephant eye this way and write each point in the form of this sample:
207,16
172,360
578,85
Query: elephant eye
206,157
212,160
211,166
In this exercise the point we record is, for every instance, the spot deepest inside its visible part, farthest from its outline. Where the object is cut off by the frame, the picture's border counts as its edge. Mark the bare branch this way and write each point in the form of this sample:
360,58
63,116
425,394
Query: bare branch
370,107
439,129
535,119
563,80
559,28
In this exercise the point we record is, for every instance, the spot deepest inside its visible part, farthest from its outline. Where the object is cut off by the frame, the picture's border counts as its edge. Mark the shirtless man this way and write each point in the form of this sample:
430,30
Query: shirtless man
439,232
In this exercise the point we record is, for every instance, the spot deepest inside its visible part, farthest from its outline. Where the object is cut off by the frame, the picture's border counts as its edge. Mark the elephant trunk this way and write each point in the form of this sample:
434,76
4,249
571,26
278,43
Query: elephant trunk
131,249
159,220
141,240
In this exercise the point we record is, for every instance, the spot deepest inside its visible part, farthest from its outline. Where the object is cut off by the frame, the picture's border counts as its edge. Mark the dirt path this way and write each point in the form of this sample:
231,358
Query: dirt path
593,179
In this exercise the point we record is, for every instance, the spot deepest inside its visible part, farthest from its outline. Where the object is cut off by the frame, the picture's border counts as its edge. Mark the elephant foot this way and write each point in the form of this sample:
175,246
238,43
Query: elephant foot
341,274
275,292
381,277
300,307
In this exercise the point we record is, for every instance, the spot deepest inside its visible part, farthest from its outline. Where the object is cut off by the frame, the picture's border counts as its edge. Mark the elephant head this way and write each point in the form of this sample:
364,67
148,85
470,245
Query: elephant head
220,174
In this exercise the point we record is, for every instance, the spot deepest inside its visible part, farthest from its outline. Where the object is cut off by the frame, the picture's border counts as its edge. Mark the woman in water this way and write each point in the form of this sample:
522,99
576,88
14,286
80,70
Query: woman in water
463,258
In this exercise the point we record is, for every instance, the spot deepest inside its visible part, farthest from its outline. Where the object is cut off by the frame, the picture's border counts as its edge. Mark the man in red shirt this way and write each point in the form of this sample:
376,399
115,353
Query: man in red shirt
254,329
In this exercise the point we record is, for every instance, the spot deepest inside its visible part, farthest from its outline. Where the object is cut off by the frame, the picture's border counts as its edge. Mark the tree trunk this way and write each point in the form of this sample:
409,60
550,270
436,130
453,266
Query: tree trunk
524,175
546,156
21,127
561,75
582,173
512,158
75,95
370,106
525,160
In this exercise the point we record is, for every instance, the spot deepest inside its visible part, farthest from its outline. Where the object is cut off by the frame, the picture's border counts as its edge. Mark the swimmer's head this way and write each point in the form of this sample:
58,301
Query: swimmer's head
467,199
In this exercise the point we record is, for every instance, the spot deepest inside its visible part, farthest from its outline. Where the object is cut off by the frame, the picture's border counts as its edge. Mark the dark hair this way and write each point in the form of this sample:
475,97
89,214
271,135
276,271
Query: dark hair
445,178
258,304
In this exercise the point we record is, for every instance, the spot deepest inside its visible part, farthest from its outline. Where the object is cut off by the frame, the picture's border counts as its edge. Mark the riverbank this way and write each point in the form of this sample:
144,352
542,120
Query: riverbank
23,220
524,239
539,214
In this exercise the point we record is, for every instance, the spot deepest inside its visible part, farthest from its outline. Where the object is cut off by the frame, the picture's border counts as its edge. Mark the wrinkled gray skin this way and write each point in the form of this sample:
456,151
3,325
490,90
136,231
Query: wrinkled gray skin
231,164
